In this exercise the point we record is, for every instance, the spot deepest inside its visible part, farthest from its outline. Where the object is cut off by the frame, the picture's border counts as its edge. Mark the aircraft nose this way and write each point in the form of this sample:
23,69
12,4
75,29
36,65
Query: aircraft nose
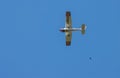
62,30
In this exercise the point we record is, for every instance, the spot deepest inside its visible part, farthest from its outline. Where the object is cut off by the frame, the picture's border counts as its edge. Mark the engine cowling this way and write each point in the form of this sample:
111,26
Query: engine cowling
62,30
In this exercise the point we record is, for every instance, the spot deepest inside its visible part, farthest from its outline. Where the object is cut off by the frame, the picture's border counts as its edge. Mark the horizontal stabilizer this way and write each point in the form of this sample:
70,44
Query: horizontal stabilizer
83,29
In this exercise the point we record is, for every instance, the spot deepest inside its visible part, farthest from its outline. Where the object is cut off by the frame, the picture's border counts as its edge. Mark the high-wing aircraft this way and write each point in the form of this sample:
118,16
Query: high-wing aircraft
68,28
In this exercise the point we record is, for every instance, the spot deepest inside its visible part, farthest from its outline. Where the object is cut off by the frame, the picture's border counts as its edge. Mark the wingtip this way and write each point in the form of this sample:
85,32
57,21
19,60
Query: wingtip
68,43
68,13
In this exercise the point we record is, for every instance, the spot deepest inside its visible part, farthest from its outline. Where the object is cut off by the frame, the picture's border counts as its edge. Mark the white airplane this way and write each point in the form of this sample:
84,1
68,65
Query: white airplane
68,28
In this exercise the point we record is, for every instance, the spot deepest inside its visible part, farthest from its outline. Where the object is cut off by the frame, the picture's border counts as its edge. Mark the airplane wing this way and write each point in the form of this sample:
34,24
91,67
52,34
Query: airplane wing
68,20
68,25
68,38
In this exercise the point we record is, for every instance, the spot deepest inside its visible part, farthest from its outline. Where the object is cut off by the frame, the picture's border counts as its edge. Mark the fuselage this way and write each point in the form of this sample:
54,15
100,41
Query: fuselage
69,29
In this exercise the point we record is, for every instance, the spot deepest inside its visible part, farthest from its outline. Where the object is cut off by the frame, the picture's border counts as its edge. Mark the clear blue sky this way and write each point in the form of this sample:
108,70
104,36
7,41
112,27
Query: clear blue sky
31,45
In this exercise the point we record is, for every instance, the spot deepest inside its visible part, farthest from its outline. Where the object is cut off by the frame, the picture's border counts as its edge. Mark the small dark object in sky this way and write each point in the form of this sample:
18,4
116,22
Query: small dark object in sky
90,58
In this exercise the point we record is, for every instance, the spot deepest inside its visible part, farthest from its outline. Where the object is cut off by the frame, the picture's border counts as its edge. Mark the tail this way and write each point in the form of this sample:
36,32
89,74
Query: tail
83,29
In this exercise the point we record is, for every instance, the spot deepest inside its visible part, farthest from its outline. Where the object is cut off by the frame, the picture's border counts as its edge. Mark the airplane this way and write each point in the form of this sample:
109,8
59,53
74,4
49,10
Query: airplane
68,28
